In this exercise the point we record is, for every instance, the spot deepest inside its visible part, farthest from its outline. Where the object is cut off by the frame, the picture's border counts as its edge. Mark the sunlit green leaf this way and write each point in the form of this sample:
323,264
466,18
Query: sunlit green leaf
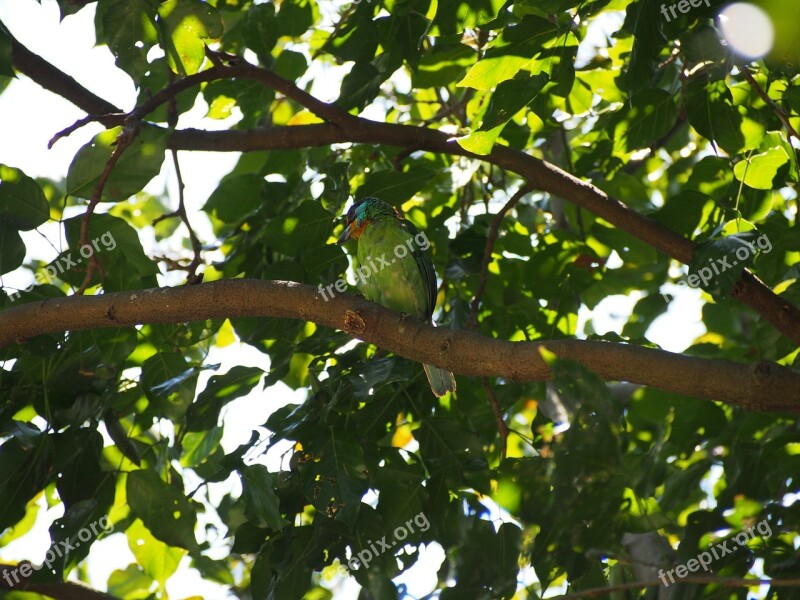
137,165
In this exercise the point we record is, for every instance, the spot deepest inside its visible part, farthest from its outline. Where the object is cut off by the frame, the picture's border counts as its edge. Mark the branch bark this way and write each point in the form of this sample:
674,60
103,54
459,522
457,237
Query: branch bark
66,590
784,316
342,128
763,386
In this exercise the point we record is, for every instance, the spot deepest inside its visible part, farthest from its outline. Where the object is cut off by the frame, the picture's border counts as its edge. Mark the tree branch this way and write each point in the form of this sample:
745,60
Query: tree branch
761,386
66,590
784,316
58,82
724,582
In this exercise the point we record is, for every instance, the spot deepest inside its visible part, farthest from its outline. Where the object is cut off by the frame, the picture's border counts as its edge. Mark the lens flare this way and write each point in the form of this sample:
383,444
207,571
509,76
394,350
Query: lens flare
747,29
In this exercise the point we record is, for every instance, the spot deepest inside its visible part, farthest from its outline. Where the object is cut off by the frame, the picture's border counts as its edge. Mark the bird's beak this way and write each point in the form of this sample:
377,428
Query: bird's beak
345,234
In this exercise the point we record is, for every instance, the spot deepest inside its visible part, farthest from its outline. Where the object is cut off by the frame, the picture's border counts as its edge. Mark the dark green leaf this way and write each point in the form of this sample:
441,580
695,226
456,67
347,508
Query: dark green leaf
163,509
203,414
129,28
261,504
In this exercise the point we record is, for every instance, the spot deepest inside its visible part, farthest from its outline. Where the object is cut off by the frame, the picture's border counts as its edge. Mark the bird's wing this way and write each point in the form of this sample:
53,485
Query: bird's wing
425,264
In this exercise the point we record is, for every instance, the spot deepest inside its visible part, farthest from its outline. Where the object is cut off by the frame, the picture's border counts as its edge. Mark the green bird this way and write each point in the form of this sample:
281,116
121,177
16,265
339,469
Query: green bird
395,268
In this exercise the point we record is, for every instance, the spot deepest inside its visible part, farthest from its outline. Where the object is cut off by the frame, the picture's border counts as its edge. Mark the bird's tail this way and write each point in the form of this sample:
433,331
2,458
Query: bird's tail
441,381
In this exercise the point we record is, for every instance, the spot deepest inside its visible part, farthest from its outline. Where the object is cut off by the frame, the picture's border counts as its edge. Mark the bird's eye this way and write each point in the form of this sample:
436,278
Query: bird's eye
351,214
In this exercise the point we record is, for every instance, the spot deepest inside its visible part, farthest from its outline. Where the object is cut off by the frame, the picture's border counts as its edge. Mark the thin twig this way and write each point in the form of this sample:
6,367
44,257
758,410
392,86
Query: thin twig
487,252
84,121
239,69
502,428
192,277
767,100
125,138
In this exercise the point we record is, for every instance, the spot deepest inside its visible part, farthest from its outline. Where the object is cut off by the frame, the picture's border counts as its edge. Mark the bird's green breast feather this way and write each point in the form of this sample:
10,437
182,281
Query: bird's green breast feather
408,283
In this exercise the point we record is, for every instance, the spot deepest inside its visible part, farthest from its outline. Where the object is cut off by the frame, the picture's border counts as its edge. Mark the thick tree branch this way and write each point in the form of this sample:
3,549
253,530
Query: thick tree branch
58,82
761,386
724,582
66,590
784,316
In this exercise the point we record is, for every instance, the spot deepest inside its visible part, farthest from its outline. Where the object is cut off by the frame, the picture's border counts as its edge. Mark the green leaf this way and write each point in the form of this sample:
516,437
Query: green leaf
644,20
198,446
22,475
683,485
169,383
480,142
116,245
307,226
336,479
138,164
294,574
262,507
189,25
12,248
526,38
487,73
124,583
792,97
221,107
450,451
6,69
684,212
510,97
444,64
163,509
652,113
710,111
360,86
203,414
68,7
718,263
395,187
759,171
261,31
159,560
357,40
295,17
290,65
22,202
261,575
402,35
129,28
235,198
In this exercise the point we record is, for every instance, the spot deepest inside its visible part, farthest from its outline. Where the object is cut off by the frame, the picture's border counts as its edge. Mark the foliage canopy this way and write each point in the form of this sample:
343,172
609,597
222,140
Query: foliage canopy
556,153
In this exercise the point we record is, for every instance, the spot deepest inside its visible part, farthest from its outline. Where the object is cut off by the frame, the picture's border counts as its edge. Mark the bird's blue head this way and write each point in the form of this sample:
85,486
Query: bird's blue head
361,214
